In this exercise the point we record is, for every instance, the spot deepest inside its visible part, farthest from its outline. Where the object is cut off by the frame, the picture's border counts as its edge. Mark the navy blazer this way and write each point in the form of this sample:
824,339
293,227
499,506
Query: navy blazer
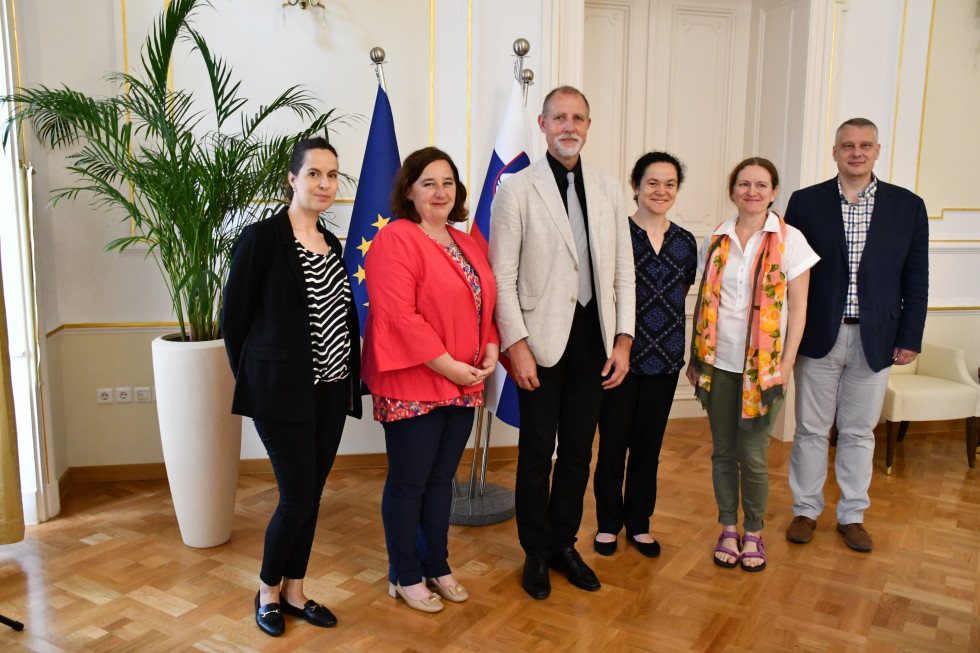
893,277
265,322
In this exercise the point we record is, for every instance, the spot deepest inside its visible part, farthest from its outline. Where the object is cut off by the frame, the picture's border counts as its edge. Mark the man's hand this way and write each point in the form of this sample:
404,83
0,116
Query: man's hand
618,363
903,356
523,367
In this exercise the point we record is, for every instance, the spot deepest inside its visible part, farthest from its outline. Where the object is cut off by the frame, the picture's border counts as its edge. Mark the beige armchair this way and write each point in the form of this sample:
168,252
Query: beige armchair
936,385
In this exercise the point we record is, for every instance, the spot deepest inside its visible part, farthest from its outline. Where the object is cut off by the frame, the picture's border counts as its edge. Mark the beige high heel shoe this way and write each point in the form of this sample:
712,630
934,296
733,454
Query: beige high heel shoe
456,594
431,603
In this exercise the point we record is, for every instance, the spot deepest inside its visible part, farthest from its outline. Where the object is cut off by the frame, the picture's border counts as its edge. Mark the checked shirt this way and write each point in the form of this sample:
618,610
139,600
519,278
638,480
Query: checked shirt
857,221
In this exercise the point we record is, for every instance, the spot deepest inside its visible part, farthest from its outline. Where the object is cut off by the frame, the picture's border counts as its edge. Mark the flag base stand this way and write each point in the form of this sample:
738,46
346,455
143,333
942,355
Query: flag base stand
494,506
478,503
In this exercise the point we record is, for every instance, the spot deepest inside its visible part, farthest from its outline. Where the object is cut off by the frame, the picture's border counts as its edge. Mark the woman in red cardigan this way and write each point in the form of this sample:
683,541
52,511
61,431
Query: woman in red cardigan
429,343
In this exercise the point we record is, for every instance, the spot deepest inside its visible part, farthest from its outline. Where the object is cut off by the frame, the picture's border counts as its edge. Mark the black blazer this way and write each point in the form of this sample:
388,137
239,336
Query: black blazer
893,277
265,322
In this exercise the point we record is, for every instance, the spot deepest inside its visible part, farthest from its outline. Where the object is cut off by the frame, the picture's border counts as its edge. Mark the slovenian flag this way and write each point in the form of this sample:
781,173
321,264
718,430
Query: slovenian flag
509,156
372,202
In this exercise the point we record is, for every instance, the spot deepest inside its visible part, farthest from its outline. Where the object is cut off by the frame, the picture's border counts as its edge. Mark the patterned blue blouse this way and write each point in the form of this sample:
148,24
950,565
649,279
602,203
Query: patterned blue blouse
661,279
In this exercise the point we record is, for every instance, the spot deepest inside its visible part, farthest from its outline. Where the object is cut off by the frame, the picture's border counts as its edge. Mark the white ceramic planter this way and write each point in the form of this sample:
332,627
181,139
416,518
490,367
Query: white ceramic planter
201,437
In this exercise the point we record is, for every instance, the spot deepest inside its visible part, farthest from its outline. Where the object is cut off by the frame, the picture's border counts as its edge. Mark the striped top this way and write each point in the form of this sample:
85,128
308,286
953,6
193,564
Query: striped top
328,296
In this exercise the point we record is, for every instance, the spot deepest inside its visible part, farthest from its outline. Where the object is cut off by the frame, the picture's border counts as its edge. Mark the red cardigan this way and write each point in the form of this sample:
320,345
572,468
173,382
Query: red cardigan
421,307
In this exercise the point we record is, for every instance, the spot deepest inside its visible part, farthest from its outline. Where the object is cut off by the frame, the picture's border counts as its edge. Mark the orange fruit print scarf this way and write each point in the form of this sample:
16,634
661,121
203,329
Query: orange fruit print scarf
761,379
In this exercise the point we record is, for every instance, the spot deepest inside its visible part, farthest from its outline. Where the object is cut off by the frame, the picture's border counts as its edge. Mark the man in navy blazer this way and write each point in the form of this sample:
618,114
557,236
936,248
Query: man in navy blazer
866,311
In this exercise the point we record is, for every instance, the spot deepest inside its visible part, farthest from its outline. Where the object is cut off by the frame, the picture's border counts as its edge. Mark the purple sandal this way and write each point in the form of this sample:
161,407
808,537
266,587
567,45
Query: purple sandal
761,553
721,549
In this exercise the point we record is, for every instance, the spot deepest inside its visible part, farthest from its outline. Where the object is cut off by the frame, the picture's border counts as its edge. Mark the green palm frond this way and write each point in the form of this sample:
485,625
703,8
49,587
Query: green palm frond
153,155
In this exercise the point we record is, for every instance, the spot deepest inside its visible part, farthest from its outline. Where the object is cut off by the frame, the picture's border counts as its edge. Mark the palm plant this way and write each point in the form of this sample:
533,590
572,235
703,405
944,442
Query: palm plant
187,188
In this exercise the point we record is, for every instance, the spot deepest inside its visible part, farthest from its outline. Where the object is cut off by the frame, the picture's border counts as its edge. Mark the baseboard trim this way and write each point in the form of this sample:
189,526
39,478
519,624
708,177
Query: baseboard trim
156,471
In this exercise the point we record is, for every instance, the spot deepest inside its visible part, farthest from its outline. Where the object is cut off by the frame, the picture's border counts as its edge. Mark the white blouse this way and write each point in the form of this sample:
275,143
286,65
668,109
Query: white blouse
736,285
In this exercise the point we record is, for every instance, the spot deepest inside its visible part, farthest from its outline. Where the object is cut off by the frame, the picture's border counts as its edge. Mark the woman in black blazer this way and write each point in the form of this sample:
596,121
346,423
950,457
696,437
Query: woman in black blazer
292,335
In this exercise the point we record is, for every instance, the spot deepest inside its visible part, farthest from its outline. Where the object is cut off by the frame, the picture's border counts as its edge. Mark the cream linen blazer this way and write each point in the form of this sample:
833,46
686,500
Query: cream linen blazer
533,256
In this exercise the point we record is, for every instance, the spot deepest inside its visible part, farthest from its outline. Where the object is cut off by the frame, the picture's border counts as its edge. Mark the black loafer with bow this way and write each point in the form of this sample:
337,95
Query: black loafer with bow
313,612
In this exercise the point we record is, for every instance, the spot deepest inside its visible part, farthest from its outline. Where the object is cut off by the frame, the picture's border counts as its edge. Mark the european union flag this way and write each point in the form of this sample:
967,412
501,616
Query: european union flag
372,202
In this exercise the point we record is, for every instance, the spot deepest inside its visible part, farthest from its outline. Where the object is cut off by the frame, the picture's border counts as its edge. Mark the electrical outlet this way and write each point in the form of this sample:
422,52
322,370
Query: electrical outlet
143,394
103,396
124,395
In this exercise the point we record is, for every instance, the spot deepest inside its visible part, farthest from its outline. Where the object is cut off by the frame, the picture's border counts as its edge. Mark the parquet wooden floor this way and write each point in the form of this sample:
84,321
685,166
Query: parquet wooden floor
111,574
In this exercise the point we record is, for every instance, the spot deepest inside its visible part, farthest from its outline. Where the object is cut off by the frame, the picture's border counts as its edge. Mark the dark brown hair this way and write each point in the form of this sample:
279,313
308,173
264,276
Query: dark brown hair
648,160
298,158
753,161
415,163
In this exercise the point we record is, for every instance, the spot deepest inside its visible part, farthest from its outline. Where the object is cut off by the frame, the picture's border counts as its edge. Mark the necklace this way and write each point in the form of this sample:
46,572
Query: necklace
444,235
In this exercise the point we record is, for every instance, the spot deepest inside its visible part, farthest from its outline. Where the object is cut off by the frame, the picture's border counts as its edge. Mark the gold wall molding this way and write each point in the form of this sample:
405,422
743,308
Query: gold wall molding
898,91
922,122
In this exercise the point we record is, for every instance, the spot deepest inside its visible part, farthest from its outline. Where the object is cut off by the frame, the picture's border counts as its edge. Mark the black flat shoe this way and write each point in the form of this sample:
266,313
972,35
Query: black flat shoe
649,549
604,548
535,579
312,612
569,562
269,618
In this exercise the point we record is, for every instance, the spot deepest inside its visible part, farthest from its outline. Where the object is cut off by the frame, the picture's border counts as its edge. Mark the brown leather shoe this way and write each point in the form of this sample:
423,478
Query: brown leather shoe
855,536
801,529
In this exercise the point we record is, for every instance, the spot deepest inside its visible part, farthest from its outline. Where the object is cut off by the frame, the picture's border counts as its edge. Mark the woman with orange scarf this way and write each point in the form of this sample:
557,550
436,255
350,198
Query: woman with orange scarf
748,322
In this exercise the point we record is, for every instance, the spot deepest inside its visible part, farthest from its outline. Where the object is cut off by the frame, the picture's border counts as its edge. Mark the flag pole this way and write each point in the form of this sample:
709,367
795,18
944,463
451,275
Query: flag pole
524,76
493,503
378,58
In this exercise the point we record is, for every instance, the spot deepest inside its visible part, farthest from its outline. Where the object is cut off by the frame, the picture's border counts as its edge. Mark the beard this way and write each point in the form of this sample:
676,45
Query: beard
568,145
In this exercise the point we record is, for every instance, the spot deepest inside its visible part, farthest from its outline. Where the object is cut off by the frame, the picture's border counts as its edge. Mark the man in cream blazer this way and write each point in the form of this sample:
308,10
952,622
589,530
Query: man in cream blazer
561,251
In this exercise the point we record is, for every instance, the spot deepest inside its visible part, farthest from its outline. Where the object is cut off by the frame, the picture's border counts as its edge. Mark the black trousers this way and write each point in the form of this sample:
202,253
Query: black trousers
301,455
634,417
423,454
566,405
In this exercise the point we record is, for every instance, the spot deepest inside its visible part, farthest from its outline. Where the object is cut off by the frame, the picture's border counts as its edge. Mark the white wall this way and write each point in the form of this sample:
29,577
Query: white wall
879,46
109,300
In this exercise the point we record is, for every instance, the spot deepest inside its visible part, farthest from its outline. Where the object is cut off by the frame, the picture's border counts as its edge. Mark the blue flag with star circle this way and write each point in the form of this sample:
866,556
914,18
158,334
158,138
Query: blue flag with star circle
372,202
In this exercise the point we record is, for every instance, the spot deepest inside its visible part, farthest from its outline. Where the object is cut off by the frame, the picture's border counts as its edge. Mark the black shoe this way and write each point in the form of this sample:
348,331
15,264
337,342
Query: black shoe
269,618
649,549
604,548
313,612
535,579
569,562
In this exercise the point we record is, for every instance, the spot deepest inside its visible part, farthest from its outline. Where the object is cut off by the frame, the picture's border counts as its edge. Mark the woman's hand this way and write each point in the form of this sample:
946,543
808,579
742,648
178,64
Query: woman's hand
786,364
692,376
489,362
463,374
457,372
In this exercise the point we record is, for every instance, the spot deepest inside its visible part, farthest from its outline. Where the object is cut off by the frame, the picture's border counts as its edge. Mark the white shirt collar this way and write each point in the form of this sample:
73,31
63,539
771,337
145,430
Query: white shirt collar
728,226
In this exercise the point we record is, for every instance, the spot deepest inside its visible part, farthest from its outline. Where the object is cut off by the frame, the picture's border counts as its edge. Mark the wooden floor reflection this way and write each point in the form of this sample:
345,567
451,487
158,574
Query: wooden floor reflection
111,574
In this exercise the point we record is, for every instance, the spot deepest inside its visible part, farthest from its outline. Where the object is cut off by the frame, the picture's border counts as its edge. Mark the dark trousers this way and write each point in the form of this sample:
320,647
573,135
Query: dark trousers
423,454
301,456
634,417
567,404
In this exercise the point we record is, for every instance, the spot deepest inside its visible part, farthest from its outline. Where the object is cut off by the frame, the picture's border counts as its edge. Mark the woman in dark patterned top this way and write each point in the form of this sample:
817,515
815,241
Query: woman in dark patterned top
290,328
634,415
429,342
